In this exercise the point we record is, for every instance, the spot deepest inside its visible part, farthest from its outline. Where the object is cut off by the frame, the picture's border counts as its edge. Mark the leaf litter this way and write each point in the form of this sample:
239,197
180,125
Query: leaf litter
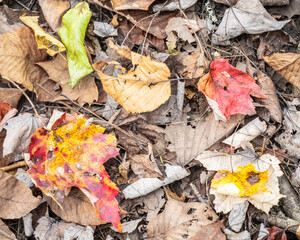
133,110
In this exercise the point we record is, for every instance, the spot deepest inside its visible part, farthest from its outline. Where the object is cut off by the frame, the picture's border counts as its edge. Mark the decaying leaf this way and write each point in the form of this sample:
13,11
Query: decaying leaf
210,231
180,219
53,11
246,17
72,153
16,199
85,91
4,109
131,4
287,65
237,216
72,35
10,96
143,167
228,90
141,90
18,55
44,40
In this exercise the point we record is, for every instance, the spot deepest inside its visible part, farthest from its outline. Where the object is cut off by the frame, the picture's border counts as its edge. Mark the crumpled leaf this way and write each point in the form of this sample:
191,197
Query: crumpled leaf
85,91
131,4
237,216
245,17
103,29
287,65
53,11
72,153
141,90
276,233
72,35
19,130
228,90
180,219
43,39
16,199
142,166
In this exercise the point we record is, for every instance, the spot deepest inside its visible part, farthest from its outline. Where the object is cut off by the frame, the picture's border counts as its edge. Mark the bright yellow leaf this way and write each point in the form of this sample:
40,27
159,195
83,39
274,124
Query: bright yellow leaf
43,39
246,179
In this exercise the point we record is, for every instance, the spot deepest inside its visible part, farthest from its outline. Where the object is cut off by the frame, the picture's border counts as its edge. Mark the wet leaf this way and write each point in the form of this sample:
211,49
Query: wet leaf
141,90
228,90
71,154
43,39
72,35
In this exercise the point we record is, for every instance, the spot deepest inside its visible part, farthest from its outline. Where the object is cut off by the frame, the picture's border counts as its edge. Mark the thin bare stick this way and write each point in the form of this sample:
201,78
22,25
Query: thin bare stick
7,235
29,100
13,166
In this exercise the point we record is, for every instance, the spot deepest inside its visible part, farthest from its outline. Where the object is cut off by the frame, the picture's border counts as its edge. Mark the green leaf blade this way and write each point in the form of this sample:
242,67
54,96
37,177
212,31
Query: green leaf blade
72,35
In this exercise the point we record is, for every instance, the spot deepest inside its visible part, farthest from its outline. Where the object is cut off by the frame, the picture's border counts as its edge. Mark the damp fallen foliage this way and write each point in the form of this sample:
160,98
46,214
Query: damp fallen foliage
71,154
142,89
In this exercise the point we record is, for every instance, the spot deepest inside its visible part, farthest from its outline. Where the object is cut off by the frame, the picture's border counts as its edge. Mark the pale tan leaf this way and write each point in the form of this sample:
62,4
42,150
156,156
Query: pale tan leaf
142,166
18,55
189,141
10,96
16,199
180,219
6,231
141,90
211,231
131,4
77,208
287,65
85,91
53,11
43,39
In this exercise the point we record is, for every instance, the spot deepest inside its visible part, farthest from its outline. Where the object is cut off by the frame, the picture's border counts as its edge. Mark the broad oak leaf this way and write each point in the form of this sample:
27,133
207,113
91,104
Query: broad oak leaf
228,90
71,154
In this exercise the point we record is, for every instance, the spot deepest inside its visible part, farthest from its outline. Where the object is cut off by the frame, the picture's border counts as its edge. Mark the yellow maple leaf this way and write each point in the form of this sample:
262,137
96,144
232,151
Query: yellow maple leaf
142,89
246,179
43,39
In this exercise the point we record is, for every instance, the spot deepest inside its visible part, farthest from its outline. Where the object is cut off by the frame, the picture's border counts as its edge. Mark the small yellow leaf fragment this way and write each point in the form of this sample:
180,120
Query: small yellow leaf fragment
246,179
43,39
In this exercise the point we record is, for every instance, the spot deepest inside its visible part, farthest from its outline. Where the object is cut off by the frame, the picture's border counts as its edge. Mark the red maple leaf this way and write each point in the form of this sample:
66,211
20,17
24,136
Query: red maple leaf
71,154
230,89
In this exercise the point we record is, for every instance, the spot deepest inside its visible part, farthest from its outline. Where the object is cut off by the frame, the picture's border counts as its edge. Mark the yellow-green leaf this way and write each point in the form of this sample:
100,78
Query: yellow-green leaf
43,39
72,35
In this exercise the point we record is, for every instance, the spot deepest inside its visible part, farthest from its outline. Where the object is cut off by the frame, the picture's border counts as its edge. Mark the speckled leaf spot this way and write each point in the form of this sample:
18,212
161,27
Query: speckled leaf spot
72,154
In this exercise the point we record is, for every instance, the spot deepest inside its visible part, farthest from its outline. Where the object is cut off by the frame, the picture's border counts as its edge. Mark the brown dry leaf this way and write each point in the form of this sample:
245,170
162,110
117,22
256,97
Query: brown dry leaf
123,173
10,96
18,54
141,90
85,91
142,166
210,231
264,2
4,161
76,207
53,11
16,199
290,10
190,140
180,219
287,65
131,4
4,228
143,20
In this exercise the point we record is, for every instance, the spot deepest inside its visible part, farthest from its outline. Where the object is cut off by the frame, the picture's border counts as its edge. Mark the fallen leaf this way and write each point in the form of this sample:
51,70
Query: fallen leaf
103,29
10,96
76,207
141,90
210,231
246,133
85,91
228,90
78,232
290,10
4,109
154,202
131,4
4,161
146,185
72,35
289,138
287,65
72,154
186,221
264,2
6,24
276,233
142,166
230,235
53,11
18,54
19,130
43,39
190,140
128,227
237,216
245,17
47,228
5,229
15,197
173,5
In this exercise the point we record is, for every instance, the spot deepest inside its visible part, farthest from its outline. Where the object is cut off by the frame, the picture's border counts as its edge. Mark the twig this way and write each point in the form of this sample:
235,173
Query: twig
29,100
7,235
22,5
13,166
